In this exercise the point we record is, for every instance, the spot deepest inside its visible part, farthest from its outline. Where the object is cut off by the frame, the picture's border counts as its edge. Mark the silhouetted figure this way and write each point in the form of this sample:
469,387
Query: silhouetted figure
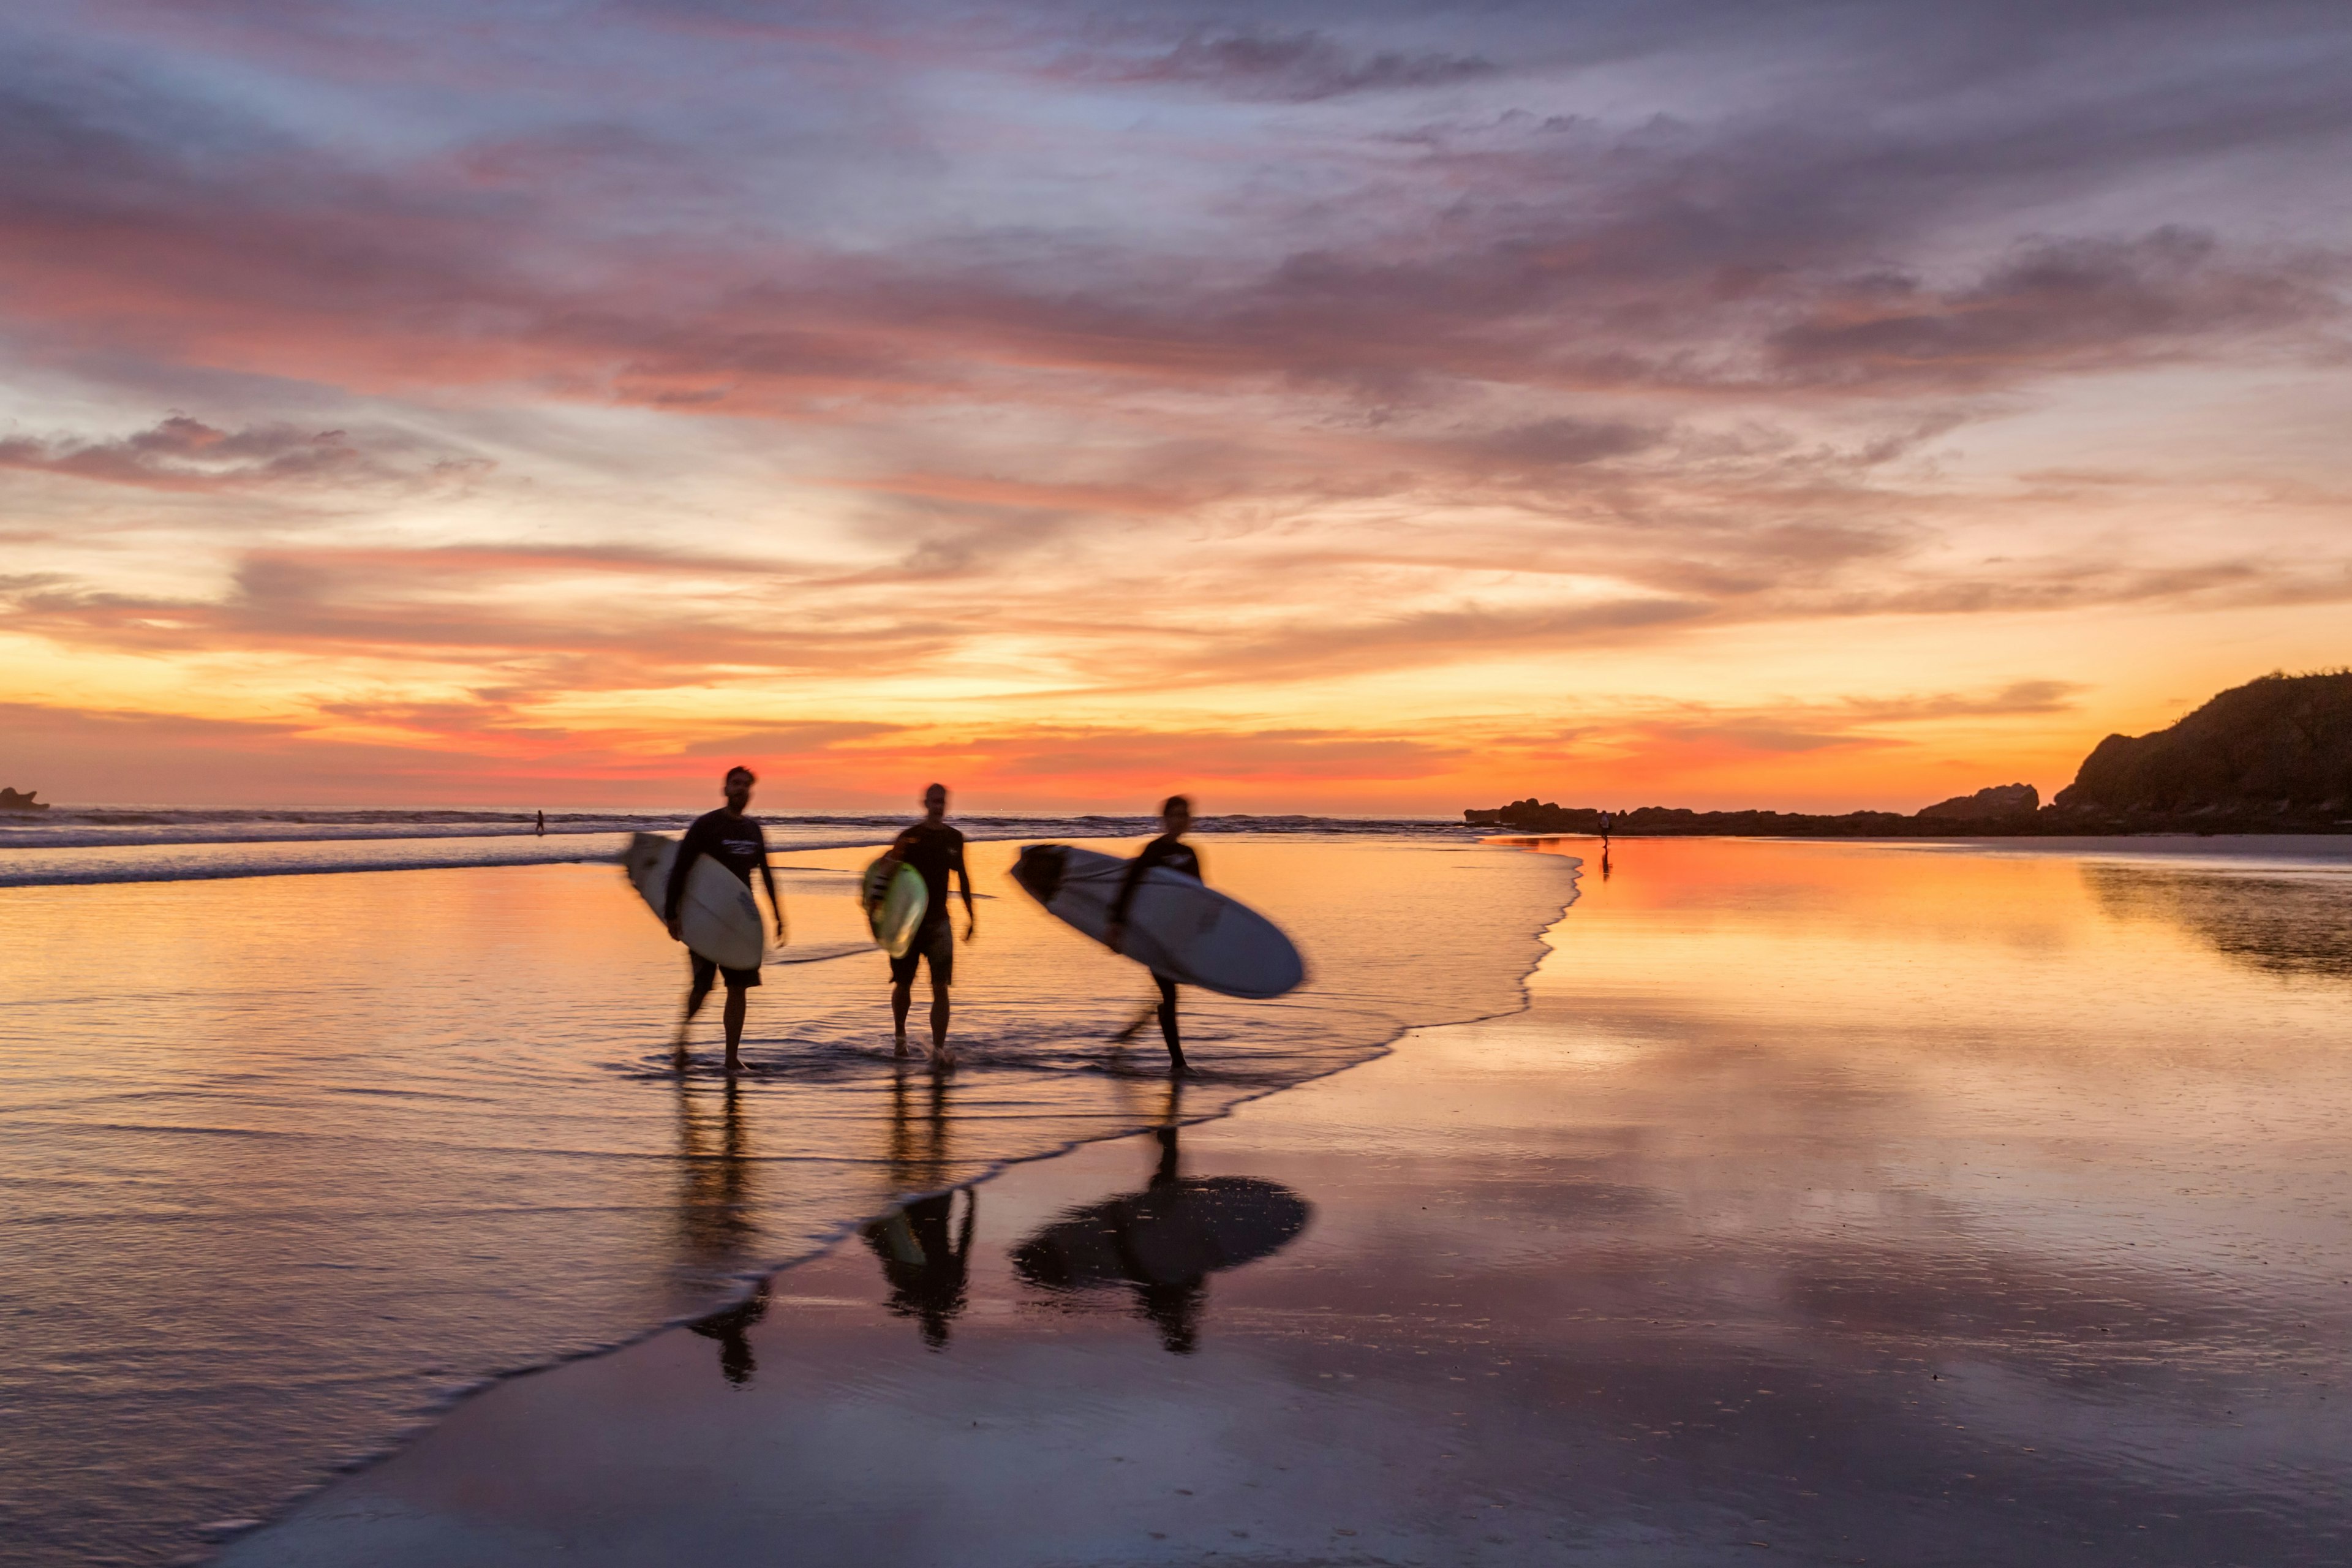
1164,1242
736,842
539,826
1168,851
933,848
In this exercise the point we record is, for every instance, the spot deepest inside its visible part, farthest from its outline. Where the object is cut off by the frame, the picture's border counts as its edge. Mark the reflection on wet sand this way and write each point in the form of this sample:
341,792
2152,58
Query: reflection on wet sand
716,1233
925,1256
1162,1244
2295,927
1827,1203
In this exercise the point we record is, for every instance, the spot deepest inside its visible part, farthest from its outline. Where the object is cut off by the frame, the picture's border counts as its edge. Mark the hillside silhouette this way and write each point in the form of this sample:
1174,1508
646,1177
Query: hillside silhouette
2280,745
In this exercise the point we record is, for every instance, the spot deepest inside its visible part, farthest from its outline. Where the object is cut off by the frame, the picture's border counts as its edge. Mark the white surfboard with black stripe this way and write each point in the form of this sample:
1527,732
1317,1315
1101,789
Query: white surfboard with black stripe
1177,926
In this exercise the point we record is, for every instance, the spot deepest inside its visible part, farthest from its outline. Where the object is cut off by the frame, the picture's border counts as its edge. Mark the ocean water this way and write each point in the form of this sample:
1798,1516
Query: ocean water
69,846
288,1160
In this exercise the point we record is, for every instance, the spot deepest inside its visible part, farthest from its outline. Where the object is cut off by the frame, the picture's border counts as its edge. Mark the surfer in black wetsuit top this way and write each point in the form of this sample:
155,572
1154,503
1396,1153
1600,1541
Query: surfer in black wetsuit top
933,848
1169,850
735,841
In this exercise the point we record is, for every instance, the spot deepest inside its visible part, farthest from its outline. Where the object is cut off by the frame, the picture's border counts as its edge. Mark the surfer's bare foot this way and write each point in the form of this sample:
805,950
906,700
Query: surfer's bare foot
679,1059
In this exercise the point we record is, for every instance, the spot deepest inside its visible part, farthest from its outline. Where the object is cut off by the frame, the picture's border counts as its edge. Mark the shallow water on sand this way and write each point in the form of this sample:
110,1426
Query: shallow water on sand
1829,1203
284,1161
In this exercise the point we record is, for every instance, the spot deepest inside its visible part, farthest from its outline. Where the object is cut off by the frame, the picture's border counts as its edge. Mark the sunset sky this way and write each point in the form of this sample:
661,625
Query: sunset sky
1376,407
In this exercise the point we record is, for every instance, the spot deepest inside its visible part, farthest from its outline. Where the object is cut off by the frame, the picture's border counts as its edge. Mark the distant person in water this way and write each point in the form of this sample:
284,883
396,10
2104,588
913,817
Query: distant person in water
735,841
1169,850
933,848
542,828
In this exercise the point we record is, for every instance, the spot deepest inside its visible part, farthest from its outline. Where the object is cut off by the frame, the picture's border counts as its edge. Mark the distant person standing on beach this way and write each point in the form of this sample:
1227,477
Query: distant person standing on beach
735,841
541,829
933,848
1169,850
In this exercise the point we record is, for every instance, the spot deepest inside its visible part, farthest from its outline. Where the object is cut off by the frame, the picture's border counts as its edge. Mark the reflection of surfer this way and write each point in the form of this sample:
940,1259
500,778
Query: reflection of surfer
933,849
735,1363
1169,850
735,841
1164,1241
714,1215
927,1259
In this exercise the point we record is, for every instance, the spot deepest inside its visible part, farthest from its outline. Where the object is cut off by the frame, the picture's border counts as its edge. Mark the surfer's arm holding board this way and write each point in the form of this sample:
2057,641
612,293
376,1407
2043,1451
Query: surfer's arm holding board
723,843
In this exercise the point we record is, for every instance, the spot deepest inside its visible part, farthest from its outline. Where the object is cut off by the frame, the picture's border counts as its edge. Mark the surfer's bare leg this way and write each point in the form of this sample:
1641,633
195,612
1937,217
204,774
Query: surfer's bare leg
696,996
940,1052
902,998
733,1015
1176,1063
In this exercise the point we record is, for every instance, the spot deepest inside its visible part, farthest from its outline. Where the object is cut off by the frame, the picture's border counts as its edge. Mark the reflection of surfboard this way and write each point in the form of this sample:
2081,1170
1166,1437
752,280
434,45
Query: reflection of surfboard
1175,926
716,915
895,900
1171,1234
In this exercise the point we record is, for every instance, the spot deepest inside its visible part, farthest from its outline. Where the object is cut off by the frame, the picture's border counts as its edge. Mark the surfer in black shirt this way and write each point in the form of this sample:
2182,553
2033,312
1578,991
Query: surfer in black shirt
933,848
1169,850
735,841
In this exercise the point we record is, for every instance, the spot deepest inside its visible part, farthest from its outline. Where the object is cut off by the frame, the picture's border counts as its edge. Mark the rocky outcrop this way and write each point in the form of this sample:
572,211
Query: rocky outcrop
2279,747
12,801
1666,821
1997,804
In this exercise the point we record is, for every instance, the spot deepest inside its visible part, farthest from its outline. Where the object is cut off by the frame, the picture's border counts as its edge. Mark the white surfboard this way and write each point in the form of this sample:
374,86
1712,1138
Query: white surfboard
1176,926
717,914
894,898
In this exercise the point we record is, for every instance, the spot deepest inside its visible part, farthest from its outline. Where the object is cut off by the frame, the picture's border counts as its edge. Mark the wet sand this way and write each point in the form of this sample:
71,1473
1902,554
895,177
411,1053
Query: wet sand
1828,1204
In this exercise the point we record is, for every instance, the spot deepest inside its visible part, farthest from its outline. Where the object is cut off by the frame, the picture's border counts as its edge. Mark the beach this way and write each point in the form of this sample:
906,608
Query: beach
1841,1202
318,1154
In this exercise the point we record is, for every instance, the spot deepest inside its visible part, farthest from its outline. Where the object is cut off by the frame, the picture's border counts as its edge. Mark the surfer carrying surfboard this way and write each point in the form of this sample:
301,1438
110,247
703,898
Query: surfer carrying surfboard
933,849
1169,850
736,842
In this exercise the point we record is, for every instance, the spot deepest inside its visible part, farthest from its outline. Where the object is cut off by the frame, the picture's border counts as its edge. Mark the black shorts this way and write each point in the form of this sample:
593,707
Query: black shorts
707,970
936,943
